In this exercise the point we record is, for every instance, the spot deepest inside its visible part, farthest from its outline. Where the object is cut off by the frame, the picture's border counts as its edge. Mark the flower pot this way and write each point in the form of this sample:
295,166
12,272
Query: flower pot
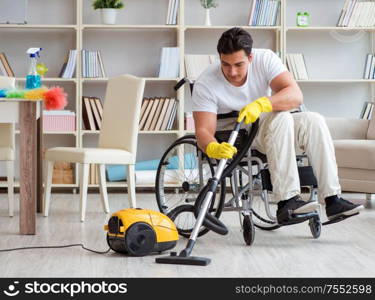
108,15
207,21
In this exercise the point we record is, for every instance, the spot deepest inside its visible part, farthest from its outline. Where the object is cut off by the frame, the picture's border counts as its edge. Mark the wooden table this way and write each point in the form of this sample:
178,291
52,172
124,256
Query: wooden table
27,113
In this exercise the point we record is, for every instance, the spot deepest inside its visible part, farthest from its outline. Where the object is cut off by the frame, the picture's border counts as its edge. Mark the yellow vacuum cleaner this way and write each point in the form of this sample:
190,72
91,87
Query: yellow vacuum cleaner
139,232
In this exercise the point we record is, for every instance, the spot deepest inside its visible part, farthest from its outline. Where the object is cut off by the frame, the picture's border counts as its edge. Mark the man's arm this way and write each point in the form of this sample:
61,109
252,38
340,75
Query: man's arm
205,128
287,94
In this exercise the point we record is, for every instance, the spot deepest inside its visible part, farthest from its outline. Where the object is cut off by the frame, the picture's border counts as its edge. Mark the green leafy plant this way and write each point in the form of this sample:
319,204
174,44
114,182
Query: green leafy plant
209,3
98,4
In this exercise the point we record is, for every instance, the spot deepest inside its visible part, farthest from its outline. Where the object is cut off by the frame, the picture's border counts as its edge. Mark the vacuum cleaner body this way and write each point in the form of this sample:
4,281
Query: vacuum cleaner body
139,232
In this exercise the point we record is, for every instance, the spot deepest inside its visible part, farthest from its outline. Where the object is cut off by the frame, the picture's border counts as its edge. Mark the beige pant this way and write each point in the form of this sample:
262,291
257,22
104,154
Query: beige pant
280,135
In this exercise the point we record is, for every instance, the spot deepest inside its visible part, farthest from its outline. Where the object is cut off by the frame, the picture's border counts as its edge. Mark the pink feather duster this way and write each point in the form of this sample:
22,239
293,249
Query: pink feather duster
55,98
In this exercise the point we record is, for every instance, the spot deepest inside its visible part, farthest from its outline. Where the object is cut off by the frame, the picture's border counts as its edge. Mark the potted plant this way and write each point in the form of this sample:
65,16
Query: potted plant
108,9
207,4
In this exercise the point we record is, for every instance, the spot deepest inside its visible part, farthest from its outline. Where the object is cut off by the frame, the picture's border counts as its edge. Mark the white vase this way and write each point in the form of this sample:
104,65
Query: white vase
207,21
108,15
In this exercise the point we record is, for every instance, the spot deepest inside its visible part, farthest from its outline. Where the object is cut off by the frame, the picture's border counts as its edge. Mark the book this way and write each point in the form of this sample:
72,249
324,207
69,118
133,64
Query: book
172,116
151,114
157,114
87,114
99,107
6,65
71,64
100,60
369,59
368,108
167,114
169,62
146,114
165,103
97,119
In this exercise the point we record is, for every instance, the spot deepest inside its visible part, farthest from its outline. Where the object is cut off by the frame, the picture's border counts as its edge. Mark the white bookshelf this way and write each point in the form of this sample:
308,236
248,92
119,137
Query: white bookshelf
134,44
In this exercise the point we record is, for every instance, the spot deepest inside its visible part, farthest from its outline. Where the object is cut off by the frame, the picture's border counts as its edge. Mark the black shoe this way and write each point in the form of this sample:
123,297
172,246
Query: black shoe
341,207
296,205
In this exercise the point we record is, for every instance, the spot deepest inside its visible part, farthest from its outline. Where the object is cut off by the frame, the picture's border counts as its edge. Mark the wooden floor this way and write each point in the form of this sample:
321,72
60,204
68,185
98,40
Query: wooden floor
346,249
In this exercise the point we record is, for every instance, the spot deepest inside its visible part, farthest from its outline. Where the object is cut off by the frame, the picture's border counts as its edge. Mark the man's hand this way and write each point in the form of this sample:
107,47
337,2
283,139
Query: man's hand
219,151
252,111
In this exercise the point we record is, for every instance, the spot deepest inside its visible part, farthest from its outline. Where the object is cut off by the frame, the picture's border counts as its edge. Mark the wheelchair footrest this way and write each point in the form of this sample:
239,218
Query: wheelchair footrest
293,218
339,219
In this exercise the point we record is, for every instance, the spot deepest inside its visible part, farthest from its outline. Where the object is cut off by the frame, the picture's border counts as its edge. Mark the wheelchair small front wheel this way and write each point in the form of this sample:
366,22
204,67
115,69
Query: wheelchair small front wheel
248,230
315,227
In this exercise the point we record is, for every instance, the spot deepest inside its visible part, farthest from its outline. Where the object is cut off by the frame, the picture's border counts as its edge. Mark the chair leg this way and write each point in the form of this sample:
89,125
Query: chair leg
47,187
84,180
131,186
103,188
368,201
10,177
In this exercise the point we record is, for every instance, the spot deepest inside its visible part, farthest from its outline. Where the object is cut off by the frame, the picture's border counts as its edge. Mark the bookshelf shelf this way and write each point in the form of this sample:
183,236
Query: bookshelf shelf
62,185
329,28
55,132
50,79
146,78
196,27
94,132
145,27
39,26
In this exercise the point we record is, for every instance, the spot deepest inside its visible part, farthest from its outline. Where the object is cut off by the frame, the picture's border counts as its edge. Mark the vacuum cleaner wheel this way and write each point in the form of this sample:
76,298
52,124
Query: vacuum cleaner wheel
140,239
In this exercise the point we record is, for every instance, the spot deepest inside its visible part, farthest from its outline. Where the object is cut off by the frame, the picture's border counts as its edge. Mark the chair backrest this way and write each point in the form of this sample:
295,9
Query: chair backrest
7,129
371,127
121,110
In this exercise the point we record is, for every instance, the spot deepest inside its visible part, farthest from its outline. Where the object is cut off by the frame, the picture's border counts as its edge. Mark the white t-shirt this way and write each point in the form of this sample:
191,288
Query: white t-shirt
212,92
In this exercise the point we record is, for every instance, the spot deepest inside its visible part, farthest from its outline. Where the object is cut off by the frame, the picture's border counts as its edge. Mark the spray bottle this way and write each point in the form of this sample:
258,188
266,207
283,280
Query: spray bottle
33,78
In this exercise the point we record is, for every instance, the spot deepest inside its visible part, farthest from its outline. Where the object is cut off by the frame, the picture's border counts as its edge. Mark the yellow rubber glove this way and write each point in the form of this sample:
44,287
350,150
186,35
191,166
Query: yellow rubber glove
219,151
252,111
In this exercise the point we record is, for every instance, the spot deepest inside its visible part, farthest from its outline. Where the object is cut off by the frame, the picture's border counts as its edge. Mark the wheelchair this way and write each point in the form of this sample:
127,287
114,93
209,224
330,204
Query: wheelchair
245,186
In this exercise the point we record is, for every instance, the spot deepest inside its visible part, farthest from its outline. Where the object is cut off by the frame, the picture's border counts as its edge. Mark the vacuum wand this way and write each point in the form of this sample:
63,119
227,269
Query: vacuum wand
184,257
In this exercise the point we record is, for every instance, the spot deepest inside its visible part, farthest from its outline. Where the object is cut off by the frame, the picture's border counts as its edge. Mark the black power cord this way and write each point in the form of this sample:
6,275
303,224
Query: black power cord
49,247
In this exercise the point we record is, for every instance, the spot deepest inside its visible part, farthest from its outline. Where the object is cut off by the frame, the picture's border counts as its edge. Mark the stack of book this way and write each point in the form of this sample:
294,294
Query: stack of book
92,113
357,13
264,12
92,64
296,65
5,69
69,66
158,114
169,62
195,64
172,12
369,72
93,174
367,110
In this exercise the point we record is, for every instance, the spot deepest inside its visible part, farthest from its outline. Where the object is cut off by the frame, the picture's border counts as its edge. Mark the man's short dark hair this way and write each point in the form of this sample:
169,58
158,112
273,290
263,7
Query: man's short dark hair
233,40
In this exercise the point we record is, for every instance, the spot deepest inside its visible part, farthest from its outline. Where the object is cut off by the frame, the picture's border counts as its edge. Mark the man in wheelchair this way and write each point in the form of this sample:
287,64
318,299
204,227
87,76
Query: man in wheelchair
244,74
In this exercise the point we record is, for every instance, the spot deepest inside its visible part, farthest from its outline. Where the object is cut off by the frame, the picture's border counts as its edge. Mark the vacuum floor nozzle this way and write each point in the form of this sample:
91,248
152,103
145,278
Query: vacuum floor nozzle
175,259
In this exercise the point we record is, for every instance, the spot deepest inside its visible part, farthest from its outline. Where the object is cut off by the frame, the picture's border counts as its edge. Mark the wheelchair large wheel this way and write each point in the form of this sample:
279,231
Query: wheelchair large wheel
182,173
